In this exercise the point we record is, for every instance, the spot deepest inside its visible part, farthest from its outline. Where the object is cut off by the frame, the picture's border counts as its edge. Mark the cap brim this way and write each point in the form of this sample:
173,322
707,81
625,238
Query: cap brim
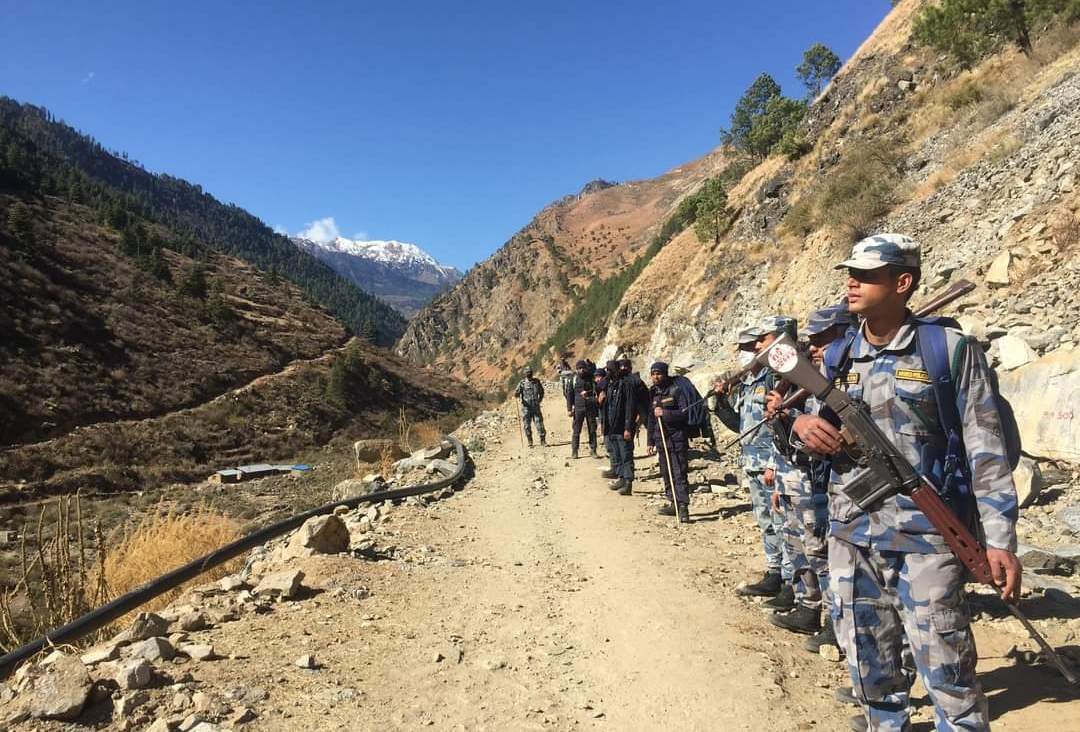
862,263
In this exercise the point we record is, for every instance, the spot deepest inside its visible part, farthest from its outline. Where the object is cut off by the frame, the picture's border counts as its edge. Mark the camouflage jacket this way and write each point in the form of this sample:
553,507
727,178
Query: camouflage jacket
749,402
893,382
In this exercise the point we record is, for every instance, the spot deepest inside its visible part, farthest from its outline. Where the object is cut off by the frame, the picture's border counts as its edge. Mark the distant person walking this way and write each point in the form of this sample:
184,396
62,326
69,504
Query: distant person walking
530,392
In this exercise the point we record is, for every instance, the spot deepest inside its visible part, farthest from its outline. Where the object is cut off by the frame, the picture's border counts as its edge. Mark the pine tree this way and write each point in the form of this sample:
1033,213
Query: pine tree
749,107
20,221
818,66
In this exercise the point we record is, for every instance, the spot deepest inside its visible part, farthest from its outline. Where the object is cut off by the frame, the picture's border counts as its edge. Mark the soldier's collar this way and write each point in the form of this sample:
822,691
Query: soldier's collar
901,342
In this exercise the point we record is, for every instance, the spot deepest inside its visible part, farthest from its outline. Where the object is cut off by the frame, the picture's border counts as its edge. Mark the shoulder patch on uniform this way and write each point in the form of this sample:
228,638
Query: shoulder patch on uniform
760,391
849,379
913,375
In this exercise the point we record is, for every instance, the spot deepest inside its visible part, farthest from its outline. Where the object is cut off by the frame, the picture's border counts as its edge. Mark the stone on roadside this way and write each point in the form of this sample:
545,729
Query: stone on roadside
242,715
232,583
284,584
161,725
1014,352
199,651
147,625
155,649
371,451
134,675
60,690
319,535
1044,395
97,654
306,661
998,273
1029,481
194,621
829,652
129,703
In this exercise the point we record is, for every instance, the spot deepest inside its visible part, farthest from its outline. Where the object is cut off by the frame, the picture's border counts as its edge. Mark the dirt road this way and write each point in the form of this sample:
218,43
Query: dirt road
537,599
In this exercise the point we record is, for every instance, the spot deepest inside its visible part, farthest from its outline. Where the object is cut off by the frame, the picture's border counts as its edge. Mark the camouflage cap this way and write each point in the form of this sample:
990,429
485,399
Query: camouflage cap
821,320
776,324
749,335
880,250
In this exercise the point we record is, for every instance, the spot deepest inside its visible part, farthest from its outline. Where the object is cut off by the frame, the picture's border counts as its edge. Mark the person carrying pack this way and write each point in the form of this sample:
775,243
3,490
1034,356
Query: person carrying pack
895,581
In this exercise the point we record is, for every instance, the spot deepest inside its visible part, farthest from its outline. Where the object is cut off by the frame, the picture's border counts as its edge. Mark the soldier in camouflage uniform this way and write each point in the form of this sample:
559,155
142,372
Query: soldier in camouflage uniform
530,392
757,456
801,494
892,574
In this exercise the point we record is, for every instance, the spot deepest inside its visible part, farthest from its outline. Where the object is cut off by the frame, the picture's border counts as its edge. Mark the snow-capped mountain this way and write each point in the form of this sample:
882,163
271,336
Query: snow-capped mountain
401,274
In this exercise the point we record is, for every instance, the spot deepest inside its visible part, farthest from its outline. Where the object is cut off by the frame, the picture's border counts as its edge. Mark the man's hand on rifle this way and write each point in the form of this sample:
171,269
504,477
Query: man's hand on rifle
772,403
658,412
720,387
775,500
818,434
769,476
1007,572
628,435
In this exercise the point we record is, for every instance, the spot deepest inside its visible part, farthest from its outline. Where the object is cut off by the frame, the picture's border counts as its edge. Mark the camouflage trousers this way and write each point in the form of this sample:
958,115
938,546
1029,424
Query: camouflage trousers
771,524
806,531
531,413
891,608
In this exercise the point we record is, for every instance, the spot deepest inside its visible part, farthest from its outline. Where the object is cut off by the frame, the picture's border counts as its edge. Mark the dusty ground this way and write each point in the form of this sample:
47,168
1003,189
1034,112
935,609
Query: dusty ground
536,599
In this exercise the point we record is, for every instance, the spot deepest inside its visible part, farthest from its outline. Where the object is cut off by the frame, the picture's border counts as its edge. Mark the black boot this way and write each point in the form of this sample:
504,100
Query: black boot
684,513
543,442
800,620
617,485
627,488
784,600
609,474
668,509
593,453
573,454
827,637
767,587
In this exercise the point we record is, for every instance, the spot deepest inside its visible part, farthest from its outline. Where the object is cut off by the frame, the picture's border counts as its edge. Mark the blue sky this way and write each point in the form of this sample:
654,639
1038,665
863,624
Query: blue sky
445,124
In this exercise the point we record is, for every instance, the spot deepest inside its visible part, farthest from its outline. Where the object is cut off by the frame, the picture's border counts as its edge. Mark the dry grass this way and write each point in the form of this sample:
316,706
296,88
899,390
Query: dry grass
385,466
56,583
993,148
161,542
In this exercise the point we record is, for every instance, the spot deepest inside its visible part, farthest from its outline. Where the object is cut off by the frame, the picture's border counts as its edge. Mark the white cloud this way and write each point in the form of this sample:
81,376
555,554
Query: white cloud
361,236
89,77
321,230
279,229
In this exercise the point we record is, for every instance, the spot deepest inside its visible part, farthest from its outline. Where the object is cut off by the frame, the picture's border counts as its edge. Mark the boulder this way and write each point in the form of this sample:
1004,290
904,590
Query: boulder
134,675
371,451
1014,352
155,649
1029,481
60,690
319,535
353,488
284,584
998,273
1042,561
199,652
147,625
1044,396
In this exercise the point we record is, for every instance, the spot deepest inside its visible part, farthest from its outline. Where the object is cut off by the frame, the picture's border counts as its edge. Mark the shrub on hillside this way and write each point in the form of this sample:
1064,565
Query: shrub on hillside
970,30
854,195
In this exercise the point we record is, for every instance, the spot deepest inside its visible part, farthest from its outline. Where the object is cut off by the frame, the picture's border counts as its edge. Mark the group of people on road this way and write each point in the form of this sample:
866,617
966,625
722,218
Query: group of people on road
878,582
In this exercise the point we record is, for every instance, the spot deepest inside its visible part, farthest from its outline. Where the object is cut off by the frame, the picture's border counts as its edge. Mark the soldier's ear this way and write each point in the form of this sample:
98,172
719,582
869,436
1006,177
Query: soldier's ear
905,283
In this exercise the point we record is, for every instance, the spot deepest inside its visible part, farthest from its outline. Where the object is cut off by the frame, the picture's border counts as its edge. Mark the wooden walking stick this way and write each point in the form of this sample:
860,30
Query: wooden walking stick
670,475
521,429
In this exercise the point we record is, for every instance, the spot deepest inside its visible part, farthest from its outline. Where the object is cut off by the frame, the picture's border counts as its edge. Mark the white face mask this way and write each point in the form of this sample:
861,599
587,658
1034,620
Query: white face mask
745,358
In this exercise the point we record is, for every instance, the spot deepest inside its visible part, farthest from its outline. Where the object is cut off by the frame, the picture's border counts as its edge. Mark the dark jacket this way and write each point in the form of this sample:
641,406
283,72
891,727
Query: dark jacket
534,389
584,395
673,401
620,410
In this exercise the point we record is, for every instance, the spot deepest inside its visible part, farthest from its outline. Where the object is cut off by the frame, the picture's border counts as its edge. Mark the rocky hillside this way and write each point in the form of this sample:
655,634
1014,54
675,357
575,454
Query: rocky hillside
400,274
507,306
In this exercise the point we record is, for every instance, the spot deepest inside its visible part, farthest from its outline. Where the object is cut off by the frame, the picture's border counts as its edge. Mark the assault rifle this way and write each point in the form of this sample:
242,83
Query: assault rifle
885,472
953,293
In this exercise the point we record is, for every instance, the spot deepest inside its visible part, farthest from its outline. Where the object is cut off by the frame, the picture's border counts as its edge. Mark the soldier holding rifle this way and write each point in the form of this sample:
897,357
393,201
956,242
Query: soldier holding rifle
893,575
